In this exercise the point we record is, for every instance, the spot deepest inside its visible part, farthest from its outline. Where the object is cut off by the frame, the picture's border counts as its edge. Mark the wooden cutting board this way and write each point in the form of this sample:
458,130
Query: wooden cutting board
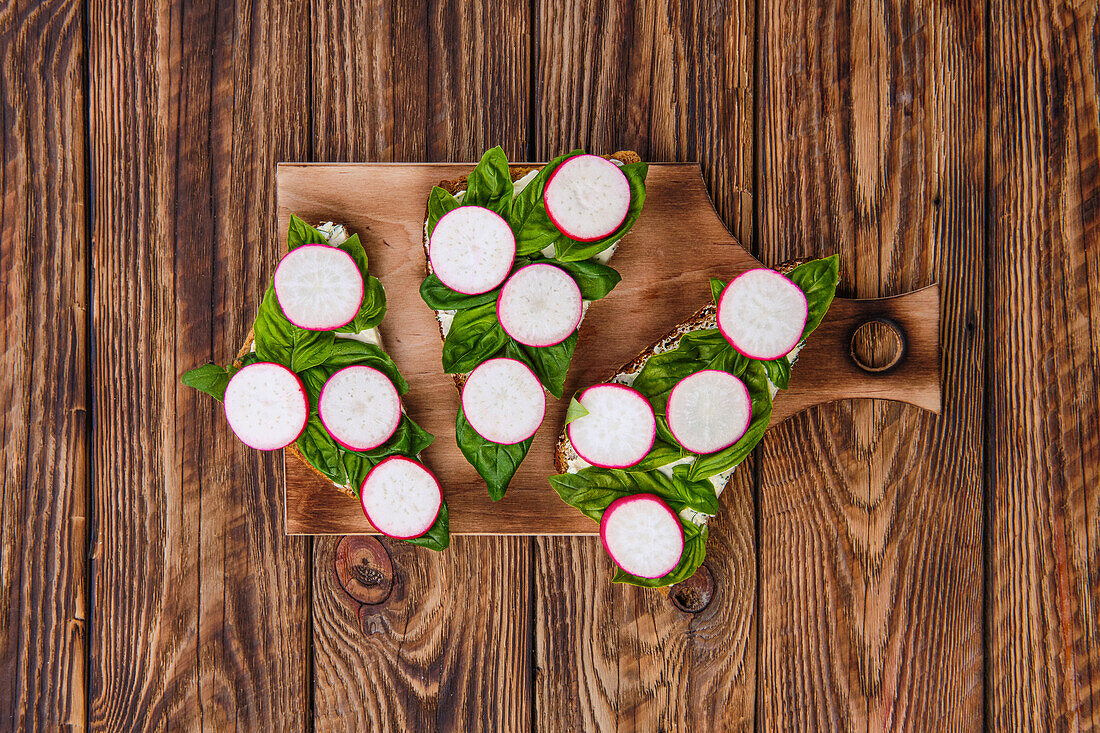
666,261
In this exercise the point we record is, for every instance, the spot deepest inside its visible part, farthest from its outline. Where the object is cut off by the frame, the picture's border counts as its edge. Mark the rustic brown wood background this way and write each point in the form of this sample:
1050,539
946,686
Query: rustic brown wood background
876,568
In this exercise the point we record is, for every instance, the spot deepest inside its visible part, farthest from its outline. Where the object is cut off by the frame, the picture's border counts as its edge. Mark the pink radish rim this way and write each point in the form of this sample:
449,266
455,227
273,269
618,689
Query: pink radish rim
622,500
510,262
738,349
580,312
438,486
362,286
321,396
301,390
530,371
555,221
748,420
652,439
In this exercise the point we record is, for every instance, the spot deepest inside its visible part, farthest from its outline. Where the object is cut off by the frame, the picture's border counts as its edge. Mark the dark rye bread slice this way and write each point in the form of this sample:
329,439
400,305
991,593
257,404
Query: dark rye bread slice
517,172
705,317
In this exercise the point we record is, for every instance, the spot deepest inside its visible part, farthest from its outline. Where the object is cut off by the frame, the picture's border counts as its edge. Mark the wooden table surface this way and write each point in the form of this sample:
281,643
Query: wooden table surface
875,567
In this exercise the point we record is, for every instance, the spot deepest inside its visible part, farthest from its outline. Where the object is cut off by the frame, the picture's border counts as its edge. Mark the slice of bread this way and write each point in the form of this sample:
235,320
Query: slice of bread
457,186
704,318
327,228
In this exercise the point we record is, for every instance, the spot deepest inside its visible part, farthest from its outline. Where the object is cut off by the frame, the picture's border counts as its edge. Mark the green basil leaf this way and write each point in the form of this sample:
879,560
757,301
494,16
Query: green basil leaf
594,280
299,233
441,298
551,363
696,351
356,467
575,412
371,311
571,250
475,336
778,371
209,378
818,279
591,490
716,288
495,463
490,183
438,537
408,440
533,229
695,551
439,203
314,380
350,352
756,379
322,452
354,247
280,341
661,454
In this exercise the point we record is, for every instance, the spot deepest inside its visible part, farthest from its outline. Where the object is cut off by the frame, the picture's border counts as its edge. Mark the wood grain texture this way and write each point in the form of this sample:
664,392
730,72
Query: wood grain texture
677,244
872,132
450,649
615,657
43,368
200,602
672,80
1044,453
447,650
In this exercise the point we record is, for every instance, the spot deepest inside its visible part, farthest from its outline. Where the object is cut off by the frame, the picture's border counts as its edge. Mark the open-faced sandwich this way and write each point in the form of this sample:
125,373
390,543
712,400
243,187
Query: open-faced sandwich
514,257
313,378
647,452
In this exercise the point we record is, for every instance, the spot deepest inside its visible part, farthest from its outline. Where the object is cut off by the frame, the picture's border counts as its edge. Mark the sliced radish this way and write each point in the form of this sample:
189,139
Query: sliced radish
709,411
540,305
642,535
266,405
401,498
359,407
618,430
503,401
319,287
471,249
762,314
587,197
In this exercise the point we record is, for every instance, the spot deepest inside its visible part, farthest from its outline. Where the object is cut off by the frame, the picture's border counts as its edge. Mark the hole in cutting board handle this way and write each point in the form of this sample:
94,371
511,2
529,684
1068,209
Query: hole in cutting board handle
877,345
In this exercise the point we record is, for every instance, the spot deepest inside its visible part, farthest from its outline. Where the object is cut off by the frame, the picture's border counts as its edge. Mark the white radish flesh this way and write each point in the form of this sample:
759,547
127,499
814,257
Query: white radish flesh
266,406
642,535
709,411
401,498
540,305
618,430
471,249
762,314
503,401
587,197
319,287
359,407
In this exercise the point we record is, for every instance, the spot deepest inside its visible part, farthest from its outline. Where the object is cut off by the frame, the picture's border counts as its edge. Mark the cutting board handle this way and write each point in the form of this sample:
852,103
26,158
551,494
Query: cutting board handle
886,348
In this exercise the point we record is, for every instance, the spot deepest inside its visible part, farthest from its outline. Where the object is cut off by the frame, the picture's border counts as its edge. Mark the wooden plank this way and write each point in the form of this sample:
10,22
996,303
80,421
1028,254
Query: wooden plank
43,368
450,647
1044,450
201,614
672,80
666,261
870,525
